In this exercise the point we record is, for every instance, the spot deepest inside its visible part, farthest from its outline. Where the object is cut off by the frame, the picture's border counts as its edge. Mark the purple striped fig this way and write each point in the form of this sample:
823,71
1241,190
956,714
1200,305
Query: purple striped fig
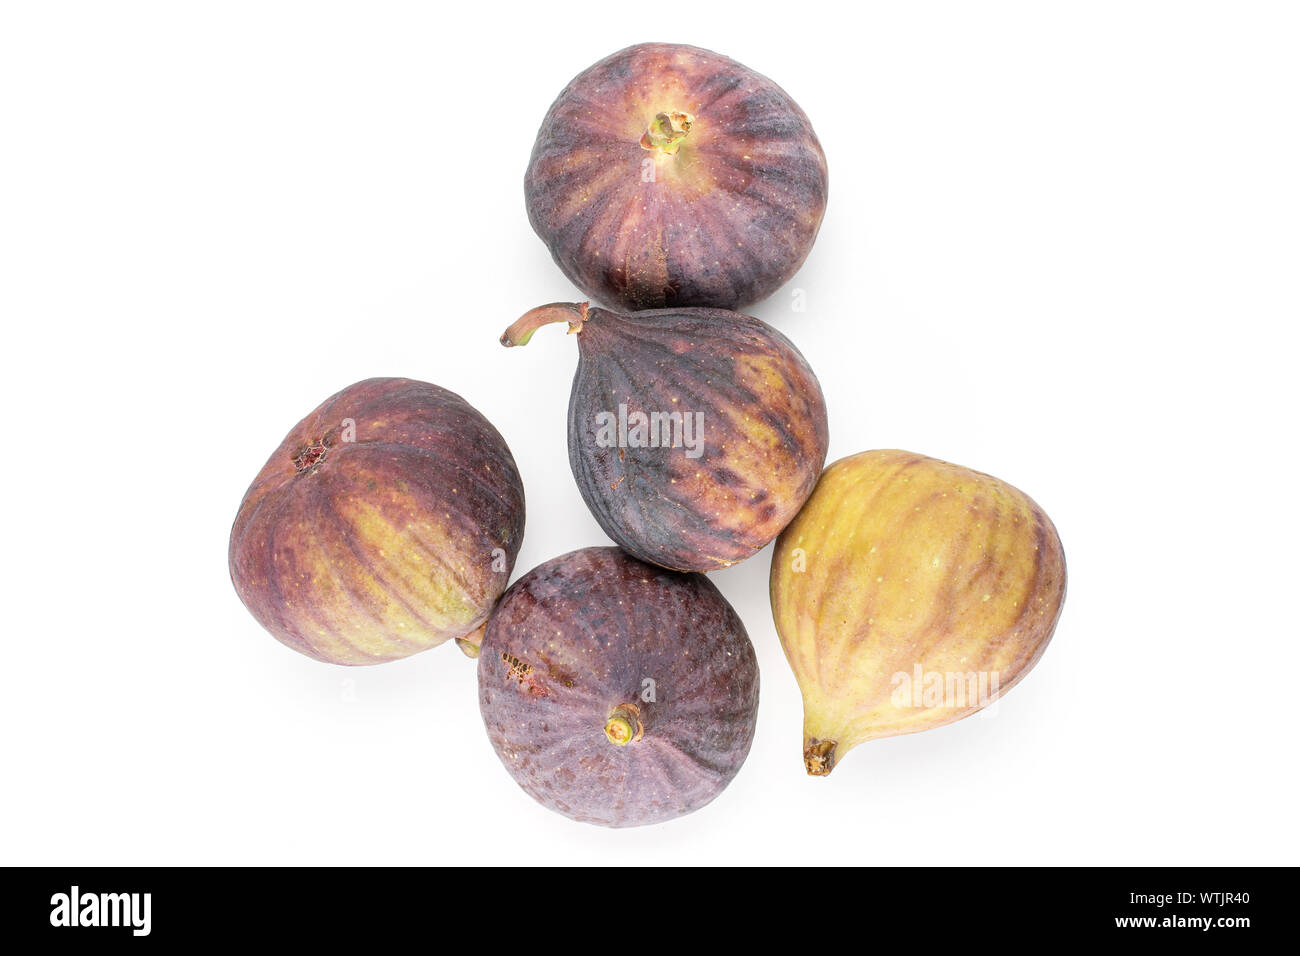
667,175
695,435
386,523
615,692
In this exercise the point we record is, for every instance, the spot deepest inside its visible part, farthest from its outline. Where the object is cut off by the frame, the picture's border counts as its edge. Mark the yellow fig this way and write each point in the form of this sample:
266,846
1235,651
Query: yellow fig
909,593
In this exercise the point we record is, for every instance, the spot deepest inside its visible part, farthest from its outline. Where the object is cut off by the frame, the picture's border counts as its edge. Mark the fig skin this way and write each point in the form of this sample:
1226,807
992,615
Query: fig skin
900,561
364,546
760,450
563,688
667,175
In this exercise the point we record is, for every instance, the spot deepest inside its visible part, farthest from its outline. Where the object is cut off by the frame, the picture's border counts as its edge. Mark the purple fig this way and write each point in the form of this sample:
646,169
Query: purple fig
387,522
667,175
616,692
695,435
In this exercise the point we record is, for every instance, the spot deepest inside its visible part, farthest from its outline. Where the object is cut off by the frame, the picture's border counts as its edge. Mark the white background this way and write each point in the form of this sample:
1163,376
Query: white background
1061,247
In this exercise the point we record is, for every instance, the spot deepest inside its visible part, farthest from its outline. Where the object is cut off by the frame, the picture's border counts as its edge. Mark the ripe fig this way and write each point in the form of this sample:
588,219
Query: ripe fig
667,175
695,435
386,523
910,593
616,692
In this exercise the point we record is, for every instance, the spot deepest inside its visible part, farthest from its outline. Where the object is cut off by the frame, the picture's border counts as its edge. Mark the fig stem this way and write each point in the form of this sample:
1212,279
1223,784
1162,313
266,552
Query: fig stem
575,313
819,757
624,725
472,642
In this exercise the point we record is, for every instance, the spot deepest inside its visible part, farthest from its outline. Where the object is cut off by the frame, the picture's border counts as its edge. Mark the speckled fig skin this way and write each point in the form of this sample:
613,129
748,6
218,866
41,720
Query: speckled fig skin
615,692
901,564
666,175
372,531
708,504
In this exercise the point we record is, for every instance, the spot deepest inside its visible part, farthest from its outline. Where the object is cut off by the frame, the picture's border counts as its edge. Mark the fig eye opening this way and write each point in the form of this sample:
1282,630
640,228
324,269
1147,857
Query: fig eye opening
666,132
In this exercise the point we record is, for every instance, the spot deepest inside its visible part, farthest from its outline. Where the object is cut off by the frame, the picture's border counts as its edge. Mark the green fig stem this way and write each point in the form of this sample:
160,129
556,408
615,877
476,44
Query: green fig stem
819,757
575,313
666,132
472,642
624,725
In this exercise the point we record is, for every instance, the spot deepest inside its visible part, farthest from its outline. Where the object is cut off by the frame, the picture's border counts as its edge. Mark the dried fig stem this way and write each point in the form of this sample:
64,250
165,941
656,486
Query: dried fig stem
624,725
575,313
472,642
819,757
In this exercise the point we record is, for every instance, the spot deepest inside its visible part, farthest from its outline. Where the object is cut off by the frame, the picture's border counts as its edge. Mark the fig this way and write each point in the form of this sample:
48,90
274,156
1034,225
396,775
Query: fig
910,593
386,523
695,435
615,692
666,175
